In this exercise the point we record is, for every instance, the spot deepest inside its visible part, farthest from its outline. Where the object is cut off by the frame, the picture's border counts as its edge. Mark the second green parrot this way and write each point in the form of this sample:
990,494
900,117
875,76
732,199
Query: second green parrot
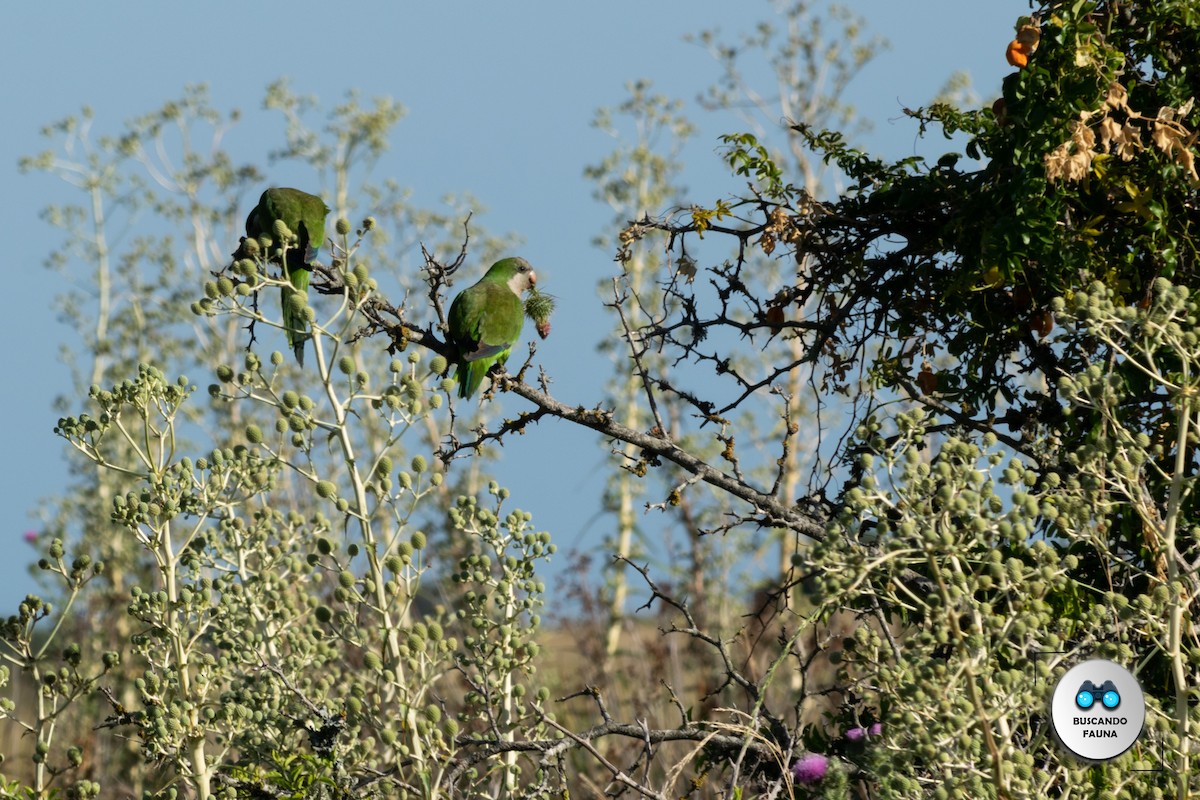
485,321
304,215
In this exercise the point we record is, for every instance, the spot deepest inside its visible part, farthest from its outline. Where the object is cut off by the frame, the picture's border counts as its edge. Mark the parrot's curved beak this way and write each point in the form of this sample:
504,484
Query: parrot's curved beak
532,278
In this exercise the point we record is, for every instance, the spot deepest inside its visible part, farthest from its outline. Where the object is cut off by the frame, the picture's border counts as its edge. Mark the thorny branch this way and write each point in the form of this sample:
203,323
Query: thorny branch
636,350
769,510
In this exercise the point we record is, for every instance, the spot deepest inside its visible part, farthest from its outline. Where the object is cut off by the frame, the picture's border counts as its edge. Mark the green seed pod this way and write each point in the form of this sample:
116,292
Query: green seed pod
254,434
297,302
438,365
346,365
368,223
225,373
224,286
210,290
418,540
346,579
326,489
342,226
418,464
448,385
372,661
539,305
281,230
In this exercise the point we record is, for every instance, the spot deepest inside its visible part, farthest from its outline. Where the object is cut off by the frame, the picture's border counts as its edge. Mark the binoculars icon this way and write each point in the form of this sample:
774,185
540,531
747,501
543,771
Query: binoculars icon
1106,693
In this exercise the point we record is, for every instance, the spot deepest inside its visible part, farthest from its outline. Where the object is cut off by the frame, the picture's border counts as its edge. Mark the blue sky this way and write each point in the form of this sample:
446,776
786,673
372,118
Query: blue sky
500,97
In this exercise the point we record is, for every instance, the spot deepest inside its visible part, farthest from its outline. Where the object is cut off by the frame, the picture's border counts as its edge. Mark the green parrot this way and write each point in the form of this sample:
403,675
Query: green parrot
486,319
304,215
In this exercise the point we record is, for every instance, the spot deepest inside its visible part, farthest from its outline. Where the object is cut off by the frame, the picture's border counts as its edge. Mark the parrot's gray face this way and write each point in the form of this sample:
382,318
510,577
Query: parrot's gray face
524,279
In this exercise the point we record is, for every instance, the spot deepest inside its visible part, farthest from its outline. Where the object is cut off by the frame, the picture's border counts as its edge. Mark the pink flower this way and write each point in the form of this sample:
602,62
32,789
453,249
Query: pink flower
875,730
31,537
810,768
856,734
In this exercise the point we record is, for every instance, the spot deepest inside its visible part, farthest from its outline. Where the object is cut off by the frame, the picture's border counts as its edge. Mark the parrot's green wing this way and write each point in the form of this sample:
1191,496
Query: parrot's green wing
485,321
304,215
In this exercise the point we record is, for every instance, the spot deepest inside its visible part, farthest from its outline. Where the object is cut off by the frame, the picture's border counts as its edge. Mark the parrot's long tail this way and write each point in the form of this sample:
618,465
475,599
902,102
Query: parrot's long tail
469,376
294,324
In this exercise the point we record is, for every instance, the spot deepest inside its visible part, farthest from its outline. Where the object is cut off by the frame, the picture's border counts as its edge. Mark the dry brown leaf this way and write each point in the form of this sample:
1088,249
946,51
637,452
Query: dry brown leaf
927,379
1185,158
1081,133
1120,138
775,318
1128,142
1029,36
767,242
1164,135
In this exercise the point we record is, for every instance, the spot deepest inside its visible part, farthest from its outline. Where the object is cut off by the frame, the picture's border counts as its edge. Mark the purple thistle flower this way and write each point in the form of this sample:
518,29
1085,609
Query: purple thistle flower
856,734
810,768
31,537
875,730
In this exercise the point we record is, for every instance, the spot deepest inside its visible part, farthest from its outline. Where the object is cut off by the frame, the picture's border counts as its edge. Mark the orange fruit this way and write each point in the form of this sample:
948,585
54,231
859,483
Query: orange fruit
1017,54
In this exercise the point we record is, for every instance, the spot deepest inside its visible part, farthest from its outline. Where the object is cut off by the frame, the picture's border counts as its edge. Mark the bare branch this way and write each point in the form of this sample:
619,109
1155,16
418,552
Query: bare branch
767,509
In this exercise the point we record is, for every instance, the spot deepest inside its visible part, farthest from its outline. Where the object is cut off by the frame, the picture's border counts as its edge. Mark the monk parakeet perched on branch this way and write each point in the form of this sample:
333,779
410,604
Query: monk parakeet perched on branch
303,216
486,319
